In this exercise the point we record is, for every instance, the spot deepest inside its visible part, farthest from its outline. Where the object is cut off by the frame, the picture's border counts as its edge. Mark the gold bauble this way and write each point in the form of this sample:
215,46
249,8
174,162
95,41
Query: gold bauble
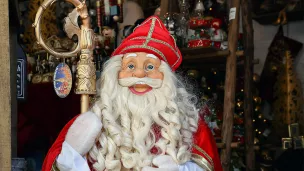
205,98
37,78
257,99
274,68
256,77
240,104
257,108
256,140
193,73
47,78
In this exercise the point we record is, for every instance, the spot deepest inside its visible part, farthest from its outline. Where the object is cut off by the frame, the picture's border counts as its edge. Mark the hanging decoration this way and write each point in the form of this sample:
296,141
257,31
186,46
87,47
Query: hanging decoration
288,106
86,72
62,80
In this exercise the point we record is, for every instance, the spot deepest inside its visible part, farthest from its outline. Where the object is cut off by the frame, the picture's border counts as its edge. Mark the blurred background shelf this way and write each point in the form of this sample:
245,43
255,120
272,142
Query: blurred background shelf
270,18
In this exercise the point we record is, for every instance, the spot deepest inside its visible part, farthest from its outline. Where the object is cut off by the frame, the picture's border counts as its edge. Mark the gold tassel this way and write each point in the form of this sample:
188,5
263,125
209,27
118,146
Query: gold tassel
282,19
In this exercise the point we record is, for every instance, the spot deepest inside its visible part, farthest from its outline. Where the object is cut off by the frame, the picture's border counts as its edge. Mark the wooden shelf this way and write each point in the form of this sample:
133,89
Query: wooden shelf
199,50
270,18
204,55
235,145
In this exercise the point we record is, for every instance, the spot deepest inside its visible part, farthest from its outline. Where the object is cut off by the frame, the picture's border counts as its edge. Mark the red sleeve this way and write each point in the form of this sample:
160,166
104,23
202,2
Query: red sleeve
205,152
56,147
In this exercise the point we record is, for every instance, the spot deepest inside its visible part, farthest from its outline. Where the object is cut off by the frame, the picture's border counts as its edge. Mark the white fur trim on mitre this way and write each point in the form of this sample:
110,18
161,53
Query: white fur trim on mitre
83,132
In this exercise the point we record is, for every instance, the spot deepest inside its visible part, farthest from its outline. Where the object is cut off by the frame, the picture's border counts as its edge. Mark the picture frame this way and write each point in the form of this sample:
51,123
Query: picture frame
298,142
293,130
286,143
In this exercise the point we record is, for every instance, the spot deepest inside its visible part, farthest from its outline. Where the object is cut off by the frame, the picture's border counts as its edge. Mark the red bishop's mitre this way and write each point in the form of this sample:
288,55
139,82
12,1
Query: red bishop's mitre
152,37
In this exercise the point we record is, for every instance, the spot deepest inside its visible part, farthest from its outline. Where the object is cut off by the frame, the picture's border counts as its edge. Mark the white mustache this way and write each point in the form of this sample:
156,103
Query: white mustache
131,81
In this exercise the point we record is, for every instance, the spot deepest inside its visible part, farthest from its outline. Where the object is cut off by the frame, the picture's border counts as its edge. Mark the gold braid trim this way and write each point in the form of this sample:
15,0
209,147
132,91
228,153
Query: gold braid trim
54,167
202,162
204,152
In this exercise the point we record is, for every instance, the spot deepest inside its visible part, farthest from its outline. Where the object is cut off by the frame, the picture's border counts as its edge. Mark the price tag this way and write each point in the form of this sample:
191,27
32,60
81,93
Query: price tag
232,13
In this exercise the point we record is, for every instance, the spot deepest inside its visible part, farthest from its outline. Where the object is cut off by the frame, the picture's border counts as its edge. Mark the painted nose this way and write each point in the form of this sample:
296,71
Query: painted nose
139,73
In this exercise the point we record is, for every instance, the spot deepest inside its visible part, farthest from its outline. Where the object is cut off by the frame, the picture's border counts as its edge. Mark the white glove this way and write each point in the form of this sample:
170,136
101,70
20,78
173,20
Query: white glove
82,134
163,163
70,160
166,163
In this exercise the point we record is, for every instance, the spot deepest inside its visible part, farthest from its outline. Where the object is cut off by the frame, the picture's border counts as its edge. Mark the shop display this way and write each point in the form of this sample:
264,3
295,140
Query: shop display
197,25
205,29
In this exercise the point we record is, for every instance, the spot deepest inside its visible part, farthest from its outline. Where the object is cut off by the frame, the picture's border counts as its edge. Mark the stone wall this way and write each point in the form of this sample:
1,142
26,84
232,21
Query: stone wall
5,93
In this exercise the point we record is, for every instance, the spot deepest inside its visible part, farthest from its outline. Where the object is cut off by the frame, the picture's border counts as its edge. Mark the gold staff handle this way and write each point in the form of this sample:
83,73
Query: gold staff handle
86,72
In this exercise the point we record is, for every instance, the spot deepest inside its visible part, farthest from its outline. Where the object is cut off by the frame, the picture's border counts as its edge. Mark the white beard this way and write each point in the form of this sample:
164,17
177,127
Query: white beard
127,137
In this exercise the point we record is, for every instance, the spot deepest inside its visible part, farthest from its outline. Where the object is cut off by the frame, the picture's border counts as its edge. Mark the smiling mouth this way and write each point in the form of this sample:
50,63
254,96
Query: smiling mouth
140,88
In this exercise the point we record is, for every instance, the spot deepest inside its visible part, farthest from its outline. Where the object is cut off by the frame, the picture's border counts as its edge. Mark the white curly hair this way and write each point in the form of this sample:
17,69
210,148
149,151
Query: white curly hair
126,138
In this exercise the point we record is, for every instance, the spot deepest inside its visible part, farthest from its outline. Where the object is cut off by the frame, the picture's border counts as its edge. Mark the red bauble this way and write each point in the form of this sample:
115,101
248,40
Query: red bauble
204,112
239,138
217,44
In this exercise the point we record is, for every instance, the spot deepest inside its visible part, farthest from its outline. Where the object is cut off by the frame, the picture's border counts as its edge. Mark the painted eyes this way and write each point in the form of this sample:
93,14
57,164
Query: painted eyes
131,66
149,67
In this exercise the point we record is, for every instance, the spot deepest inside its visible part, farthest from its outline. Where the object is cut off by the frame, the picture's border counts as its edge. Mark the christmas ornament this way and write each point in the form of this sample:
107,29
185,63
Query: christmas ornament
257,100
107,38
199,9
256,140
257,108
193,73
216,44
197,19
256,77
274,68
62,80
238,119
37,78
239,138
217,34
240,104
282,19
170,23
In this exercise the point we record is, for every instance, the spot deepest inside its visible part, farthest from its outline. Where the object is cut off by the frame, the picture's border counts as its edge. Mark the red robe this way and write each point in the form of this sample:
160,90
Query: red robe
204,152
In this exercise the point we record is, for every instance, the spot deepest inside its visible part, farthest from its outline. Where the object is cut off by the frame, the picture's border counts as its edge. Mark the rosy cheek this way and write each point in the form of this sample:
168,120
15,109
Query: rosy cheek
124,74
156,75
